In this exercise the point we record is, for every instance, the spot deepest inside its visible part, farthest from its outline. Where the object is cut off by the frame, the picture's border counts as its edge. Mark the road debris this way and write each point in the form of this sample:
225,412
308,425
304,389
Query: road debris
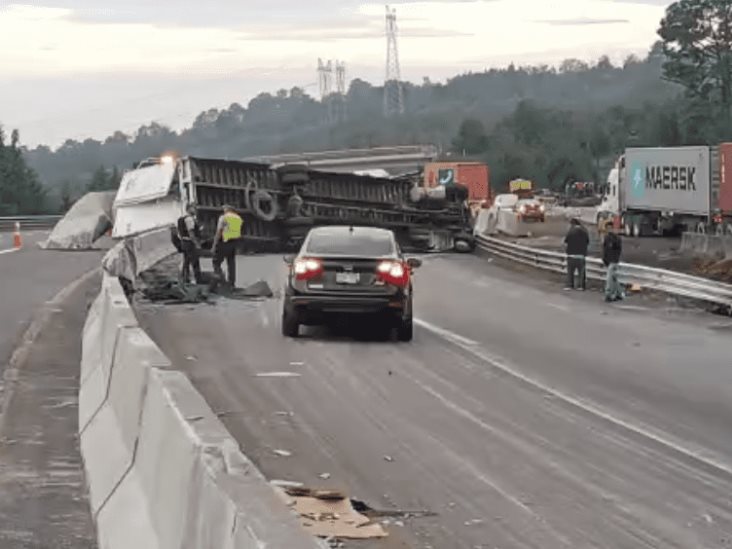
329,514
388,458
325,476
282,453
87,221
162,283
277,374
286,483
365,509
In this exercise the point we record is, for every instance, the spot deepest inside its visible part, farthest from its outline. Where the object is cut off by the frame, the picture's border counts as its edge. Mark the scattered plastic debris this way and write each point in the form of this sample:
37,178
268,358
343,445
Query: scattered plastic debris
388,458
282,453
329,514
278,374
325,476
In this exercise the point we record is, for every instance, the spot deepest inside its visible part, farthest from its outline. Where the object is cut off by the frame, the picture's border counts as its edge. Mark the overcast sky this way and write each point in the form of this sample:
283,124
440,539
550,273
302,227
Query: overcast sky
84,68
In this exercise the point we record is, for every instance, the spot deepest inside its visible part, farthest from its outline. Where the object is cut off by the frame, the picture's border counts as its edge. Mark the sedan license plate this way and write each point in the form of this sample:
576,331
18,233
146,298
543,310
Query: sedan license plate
347,278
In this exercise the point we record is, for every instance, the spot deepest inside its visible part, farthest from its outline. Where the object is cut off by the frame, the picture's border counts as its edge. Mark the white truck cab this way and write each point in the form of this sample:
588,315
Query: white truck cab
610,205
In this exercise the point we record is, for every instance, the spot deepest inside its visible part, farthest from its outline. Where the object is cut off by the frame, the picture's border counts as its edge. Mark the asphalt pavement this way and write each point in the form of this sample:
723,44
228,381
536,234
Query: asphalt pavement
43,501
521,415
28,278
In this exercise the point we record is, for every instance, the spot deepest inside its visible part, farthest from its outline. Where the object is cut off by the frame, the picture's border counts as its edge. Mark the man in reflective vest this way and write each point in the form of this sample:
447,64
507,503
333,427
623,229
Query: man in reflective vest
228,233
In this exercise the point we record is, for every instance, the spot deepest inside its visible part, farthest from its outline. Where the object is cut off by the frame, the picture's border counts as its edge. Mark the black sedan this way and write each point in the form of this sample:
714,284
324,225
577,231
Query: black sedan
343,271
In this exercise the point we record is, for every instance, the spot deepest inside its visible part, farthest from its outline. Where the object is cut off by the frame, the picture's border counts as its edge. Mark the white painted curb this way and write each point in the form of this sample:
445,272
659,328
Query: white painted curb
163,471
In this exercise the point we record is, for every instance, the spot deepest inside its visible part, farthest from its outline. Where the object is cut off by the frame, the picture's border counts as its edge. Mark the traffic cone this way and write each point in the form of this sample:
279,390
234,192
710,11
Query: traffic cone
17,239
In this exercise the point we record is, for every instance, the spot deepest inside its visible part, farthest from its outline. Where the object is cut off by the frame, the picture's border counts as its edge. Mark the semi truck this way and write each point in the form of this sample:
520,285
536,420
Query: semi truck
670,190
280,204
475,176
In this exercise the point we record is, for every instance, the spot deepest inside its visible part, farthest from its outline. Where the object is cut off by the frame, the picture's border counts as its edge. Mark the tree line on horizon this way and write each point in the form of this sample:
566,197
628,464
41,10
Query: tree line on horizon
549,124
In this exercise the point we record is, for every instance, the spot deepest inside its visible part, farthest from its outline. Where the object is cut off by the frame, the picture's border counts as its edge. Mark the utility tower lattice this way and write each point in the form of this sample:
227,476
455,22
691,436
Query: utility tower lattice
340,71
393,89
325,78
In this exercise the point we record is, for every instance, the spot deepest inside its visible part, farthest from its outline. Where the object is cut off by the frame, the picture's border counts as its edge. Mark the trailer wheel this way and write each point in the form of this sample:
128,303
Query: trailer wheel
636,228
627,227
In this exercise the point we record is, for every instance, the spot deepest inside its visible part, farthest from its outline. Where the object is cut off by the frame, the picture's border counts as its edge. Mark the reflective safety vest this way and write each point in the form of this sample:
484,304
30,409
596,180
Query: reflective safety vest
232,230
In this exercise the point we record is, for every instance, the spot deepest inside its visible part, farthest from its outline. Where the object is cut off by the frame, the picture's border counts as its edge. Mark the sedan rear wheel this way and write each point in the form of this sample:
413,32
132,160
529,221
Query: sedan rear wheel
405,332
290,324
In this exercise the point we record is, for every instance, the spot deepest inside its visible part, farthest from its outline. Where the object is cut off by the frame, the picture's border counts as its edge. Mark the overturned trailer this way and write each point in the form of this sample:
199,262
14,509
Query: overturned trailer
280,205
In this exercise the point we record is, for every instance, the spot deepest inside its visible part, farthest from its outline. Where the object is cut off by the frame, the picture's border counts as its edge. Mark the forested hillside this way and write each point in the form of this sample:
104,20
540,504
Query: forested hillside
569,100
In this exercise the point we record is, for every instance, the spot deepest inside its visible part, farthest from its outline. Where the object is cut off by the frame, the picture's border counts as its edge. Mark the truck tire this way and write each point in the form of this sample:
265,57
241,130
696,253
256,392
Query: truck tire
627,226
637,228
701,228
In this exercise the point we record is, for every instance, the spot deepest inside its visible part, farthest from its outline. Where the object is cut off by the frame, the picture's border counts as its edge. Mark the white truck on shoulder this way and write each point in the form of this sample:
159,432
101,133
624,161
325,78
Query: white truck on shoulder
658,191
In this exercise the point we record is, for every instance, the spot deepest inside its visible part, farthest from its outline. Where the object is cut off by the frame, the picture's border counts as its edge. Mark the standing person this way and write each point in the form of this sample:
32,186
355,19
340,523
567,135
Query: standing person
577,243
228,233
612,250
603,226
189,234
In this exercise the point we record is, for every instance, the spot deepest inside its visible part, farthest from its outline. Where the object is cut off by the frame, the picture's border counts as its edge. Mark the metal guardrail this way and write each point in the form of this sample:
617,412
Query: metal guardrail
29,222
669,282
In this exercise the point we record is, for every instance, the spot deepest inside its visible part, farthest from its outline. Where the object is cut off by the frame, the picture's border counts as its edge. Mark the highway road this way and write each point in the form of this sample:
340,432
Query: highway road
523,416
42,487
28,278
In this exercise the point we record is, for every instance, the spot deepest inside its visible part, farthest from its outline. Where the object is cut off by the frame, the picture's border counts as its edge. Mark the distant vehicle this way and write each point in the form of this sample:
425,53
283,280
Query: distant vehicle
581,194
521,186
343,271
655,191
475,176
545,196
530,209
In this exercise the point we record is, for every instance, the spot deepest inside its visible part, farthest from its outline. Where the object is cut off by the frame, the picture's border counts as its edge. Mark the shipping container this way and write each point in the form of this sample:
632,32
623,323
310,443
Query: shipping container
725,183
473,175
669,180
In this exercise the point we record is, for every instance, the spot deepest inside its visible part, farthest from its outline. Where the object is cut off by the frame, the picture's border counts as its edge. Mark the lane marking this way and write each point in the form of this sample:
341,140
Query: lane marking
446,334
471,347
559,307
9,251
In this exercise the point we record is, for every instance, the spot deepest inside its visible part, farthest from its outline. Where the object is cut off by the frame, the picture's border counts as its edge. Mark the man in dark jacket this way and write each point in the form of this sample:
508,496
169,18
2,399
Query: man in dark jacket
612,250
189,233
577,242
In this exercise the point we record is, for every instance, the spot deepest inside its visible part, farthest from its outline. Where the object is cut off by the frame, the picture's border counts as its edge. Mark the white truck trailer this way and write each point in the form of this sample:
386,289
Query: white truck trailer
657,191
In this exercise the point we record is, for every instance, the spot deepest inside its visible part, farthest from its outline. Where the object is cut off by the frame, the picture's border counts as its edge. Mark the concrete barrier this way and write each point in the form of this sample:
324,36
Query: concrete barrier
163,472
508,223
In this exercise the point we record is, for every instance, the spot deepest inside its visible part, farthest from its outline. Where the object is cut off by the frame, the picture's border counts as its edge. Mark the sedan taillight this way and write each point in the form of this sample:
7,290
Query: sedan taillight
307,268
395,273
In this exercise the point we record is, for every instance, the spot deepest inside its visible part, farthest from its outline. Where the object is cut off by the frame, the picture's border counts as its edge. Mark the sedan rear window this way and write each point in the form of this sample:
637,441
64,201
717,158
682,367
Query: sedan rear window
356,243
